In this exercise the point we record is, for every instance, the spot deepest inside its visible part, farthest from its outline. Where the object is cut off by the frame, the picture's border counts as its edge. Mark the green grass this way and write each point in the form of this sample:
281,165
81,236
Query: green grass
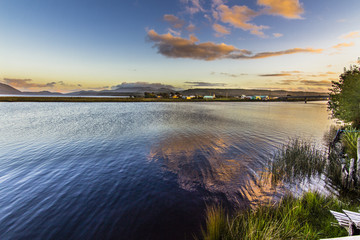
299,160
349,140
307,217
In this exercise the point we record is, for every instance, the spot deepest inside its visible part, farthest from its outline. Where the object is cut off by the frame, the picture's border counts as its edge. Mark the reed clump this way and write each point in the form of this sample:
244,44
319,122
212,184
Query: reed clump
307,217
297,160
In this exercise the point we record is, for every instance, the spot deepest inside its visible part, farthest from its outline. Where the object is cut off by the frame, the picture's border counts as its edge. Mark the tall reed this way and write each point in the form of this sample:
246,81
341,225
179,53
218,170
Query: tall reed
296,161
305,218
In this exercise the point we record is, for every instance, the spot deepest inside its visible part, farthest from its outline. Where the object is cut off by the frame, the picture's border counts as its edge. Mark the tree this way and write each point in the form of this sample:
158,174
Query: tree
344,99
149,95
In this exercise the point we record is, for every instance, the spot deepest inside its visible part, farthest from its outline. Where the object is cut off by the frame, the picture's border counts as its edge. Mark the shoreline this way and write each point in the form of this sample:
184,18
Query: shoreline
119,99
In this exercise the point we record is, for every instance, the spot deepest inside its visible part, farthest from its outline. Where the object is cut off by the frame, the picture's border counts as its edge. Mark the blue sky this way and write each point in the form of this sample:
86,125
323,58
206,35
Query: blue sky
62,45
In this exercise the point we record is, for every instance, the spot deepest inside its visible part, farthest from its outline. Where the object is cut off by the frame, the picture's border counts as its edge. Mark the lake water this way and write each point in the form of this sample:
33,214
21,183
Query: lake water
136,170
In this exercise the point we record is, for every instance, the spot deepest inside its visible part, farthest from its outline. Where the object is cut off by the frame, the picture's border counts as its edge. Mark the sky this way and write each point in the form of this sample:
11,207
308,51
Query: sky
68,45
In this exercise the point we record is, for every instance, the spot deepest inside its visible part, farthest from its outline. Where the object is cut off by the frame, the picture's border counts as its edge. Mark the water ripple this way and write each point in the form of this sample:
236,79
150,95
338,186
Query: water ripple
136,170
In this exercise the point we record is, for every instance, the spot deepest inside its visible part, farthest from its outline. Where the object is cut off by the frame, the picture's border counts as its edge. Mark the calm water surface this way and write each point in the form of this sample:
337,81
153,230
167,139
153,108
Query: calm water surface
136,170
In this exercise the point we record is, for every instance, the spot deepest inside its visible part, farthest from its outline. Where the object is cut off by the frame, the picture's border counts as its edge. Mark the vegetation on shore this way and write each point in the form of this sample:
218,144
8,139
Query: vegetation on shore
137,99
307,217
344,101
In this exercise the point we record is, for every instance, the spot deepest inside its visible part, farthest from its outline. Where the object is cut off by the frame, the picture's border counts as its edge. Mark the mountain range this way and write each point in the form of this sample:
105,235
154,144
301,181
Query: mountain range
139,92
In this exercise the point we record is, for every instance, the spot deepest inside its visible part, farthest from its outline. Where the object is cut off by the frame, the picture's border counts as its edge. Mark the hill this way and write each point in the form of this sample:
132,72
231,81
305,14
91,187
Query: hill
249,92
6,89
128,91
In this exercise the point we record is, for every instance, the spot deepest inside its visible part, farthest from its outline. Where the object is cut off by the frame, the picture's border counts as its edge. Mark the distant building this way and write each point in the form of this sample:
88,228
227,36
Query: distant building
273,98
209,97
259,97
188,97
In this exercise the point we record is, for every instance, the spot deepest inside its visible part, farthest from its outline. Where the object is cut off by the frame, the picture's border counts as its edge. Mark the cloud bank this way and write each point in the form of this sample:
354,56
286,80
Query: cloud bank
290,9
174,21
240,16
354,34
342,45
177,47
221,30
125,85
205,84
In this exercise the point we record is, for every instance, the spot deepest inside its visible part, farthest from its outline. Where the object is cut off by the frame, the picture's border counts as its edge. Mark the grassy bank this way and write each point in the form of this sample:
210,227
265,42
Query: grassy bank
305,218
118,99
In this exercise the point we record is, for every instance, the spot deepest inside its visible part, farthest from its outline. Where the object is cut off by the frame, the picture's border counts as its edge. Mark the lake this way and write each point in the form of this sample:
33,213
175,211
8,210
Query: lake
137,170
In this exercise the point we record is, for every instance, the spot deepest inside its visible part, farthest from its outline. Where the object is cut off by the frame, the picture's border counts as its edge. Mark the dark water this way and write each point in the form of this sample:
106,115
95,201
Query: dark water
136,170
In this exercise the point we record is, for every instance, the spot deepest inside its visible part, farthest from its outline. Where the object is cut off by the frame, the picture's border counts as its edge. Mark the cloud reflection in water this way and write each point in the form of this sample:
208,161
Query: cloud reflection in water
206,161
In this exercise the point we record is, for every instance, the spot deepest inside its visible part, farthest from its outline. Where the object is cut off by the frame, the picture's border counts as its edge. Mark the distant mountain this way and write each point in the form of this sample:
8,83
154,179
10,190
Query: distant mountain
141,89
126,91
6,89
249,92
106,93
42,93
138,91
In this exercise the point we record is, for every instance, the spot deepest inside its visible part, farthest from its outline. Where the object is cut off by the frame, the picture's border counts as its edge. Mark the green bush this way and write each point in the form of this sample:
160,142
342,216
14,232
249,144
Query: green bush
349,140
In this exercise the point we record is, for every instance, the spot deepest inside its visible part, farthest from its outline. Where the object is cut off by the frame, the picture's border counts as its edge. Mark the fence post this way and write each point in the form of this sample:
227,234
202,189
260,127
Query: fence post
358,161
352,175
344,173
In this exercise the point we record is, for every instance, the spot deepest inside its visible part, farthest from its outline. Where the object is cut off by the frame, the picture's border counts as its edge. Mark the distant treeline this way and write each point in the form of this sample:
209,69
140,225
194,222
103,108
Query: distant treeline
137,99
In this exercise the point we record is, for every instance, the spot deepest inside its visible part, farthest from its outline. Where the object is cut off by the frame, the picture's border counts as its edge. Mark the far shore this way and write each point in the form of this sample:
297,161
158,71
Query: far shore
138,99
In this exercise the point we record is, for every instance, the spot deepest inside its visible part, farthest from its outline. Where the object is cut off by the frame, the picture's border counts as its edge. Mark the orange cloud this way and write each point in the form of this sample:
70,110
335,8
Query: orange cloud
354,34
277,35
316,83
295,71
342,45
221,30
239,17
193,38
275,75
298,75
174,21
177,47
206,84
286,82
291,9
191,27
279,53
323,83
